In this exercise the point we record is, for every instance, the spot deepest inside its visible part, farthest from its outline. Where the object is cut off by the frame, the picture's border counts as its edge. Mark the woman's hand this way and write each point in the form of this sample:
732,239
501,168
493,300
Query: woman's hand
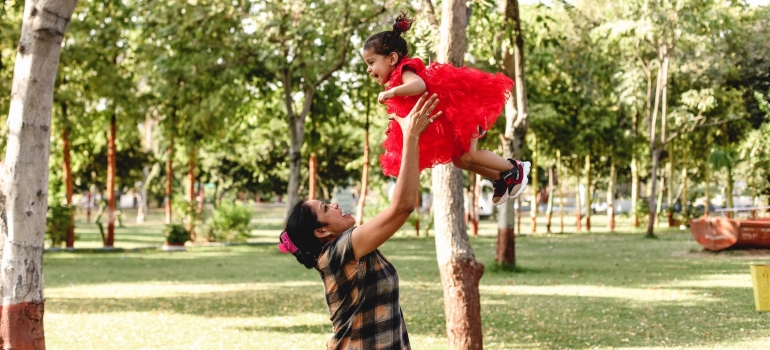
419,118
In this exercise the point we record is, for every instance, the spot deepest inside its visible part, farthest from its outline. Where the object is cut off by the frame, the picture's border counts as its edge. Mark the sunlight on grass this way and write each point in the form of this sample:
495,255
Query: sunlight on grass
631,294
143,290
715,280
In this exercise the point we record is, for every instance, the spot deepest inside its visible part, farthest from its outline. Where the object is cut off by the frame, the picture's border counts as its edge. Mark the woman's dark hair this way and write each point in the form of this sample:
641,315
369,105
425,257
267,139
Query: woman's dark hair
383,43
301,222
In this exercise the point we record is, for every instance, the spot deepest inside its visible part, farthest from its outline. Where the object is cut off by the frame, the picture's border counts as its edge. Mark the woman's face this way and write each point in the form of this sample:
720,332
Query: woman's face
380,67
335,221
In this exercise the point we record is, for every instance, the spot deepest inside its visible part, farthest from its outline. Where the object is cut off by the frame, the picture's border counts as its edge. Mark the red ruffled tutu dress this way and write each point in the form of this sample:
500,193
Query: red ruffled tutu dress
469,98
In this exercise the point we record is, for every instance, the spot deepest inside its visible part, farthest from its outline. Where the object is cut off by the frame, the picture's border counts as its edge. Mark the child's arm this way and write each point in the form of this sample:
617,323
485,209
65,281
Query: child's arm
413,85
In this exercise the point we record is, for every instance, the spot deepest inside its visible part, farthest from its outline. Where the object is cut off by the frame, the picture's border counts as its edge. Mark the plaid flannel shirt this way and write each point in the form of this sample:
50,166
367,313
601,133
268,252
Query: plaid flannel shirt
362,297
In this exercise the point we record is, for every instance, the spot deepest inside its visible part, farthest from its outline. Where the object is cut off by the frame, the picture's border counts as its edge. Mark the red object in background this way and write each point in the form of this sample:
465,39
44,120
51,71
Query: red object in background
719,233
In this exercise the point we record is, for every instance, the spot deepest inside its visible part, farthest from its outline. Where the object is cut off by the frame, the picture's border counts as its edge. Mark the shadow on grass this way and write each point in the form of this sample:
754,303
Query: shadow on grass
251,303
295,329
583,322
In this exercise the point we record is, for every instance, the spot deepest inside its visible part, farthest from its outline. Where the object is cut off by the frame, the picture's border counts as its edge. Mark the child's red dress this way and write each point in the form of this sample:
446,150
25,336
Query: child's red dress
469,98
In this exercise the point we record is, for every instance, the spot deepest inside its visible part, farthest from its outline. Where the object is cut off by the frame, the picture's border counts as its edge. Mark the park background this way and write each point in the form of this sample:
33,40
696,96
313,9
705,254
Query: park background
211,116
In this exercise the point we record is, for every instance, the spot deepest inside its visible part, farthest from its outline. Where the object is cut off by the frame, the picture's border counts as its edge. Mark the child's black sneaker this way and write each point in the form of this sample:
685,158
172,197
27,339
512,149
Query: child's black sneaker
501,190
511,183
520,178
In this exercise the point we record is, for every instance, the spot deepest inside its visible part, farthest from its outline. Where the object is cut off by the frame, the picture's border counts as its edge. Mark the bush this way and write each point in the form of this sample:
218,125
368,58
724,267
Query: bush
58,219
176,234
642,211
229,223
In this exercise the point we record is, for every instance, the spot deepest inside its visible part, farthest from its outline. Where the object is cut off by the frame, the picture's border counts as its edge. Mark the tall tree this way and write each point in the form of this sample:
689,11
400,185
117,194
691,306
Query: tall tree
460,272
102,63
301,50
25,187
516,125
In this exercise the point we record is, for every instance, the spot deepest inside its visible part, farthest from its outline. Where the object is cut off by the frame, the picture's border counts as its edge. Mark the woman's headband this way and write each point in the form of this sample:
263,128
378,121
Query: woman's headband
286,246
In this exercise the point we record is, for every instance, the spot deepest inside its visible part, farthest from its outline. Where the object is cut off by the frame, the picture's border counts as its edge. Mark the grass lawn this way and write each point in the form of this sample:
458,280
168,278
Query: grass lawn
573,291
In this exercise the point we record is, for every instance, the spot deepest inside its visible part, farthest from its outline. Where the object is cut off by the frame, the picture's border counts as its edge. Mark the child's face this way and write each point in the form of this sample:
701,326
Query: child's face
380,67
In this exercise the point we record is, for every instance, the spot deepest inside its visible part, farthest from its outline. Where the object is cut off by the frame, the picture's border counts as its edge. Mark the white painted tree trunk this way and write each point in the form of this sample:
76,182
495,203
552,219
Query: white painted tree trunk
25,177
516,115
460,272
148,173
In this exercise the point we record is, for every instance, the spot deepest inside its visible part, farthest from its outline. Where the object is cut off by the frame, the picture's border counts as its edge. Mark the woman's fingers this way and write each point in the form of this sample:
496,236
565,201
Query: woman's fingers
420,116
428,107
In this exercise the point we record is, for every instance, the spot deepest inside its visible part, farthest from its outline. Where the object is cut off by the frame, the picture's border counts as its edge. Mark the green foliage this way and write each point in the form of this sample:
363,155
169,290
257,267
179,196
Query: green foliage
182,208
176,234
643,211
58,219
229,223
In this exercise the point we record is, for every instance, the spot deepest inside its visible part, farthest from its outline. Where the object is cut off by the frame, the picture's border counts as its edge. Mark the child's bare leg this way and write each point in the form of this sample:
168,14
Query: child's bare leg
485,159
483,171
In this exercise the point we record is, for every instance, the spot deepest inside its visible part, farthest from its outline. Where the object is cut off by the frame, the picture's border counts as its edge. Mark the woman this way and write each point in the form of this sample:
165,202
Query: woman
361,285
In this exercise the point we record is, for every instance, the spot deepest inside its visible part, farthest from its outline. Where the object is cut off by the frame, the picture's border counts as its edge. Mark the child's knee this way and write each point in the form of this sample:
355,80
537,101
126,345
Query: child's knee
468,157
459,163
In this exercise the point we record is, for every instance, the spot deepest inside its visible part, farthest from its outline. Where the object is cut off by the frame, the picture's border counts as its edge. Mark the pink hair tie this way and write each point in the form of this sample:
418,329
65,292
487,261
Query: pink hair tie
286,245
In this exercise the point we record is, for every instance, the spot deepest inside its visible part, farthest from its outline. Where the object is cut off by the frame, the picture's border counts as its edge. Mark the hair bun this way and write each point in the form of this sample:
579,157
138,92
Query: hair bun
401,26
402,23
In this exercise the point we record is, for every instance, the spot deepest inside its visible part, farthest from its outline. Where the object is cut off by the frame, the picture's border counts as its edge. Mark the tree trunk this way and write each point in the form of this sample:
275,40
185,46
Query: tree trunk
364,175
670,177
460,272
296,136
683,198
659,198
89,204
588,193
473,207
518,215
417,214
191,193
729,191
516,125
67,168
578,205
112,169
655,153
505,254
169,180
708,190
312,166
148,174
534,201
549,208
24,185
634,189
652,200
611,195
561,191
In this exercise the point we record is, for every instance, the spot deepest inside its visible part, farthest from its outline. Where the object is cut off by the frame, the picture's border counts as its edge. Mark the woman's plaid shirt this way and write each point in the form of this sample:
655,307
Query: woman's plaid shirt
362,297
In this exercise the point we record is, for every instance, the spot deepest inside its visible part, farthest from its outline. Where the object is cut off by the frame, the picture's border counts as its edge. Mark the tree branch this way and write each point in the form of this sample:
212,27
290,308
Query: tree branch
346,45
431,13
684,128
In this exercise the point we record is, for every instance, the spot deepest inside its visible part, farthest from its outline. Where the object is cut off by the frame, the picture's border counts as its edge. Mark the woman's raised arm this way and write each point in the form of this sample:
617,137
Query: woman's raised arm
369,236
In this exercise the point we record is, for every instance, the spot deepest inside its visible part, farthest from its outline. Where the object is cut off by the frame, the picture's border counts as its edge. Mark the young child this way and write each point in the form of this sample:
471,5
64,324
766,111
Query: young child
471,102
